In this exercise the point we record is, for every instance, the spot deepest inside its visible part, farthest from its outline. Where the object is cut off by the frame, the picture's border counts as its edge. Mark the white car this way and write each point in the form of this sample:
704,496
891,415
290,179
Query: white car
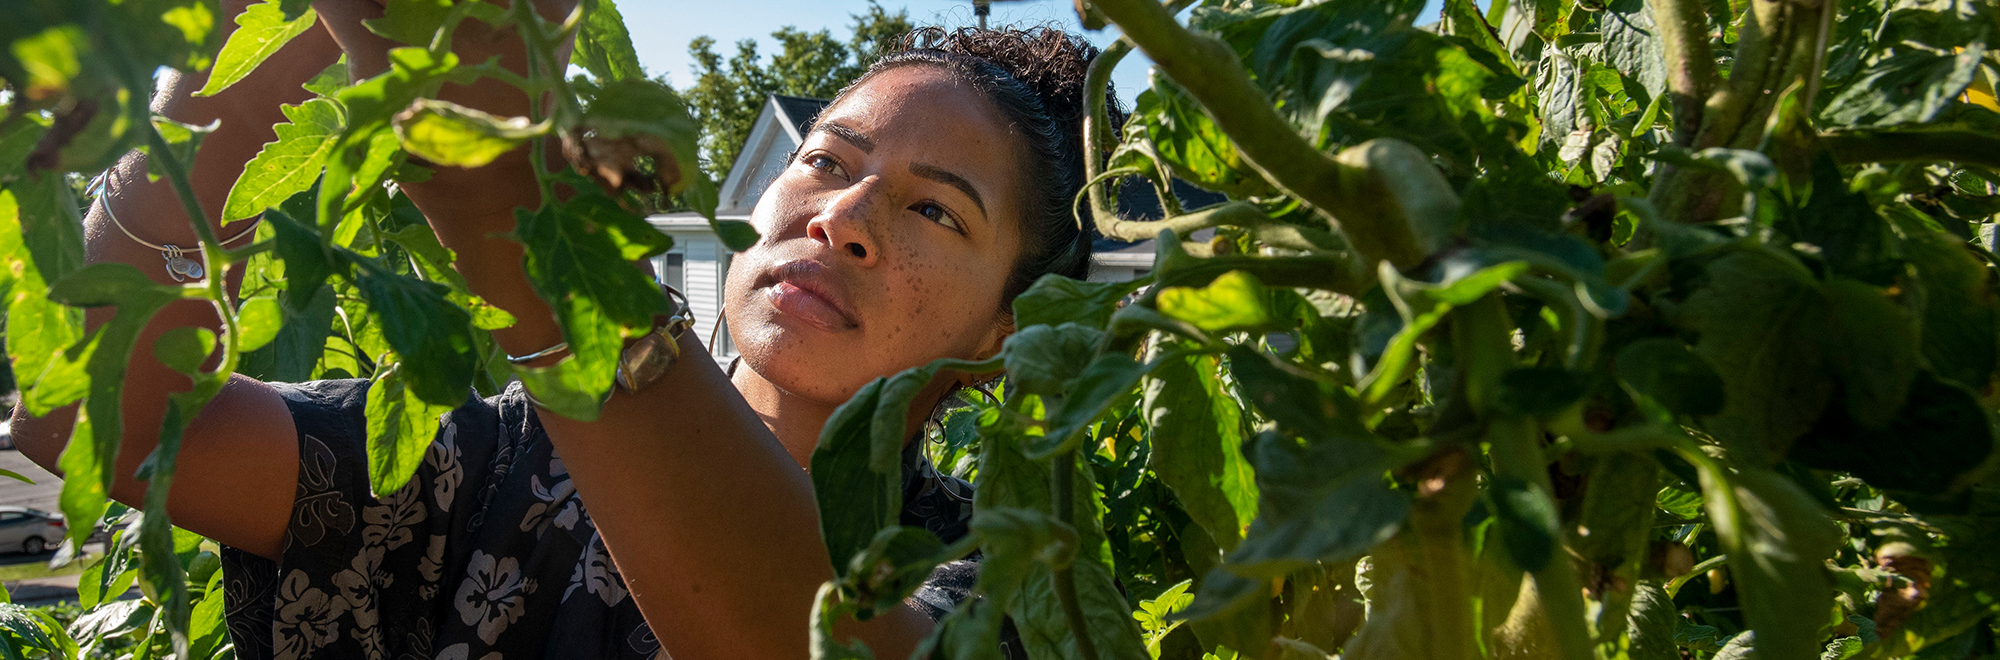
32,531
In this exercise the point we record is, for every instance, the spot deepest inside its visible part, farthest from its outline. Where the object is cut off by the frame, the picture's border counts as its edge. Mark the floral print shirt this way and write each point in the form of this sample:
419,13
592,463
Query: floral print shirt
487,554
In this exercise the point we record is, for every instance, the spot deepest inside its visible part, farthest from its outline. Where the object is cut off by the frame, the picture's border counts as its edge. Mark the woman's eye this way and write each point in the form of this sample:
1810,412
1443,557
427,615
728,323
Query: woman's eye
937,214
824,164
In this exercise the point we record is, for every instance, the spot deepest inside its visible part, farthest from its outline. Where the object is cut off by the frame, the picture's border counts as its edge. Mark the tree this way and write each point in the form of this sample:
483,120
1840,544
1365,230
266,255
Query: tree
727,95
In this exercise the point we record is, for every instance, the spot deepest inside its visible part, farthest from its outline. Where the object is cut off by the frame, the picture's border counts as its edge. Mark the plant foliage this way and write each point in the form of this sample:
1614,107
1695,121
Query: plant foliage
1561,329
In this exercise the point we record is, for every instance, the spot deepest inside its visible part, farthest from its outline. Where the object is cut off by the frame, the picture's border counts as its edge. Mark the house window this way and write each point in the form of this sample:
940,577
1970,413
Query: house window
722,344
673,270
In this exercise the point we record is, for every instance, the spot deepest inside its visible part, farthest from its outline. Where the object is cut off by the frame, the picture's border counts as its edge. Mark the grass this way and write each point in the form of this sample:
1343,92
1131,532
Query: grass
39,569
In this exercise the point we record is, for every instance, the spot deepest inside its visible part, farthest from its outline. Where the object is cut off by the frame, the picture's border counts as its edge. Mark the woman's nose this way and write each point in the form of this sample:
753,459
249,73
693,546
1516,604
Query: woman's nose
848,223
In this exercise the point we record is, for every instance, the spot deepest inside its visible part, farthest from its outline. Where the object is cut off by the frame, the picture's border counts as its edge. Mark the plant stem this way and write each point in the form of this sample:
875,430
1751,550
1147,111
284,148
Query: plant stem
1065,575
1210,72
1674,585
1780,43
1513,446
1691,74
1902,146
1480,331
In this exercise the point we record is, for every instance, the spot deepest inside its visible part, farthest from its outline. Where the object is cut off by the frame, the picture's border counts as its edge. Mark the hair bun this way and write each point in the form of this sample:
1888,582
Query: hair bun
1047,60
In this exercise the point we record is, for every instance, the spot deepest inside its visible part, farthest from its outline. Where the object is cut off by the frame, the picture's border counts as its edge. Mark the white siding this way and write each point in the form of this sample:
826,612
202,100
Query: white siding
704,290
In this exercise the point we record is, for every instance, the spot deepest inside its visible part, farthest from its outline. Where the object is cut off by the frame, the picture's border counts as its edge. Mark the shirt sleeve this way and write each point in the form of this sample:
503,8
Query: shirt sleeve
358,569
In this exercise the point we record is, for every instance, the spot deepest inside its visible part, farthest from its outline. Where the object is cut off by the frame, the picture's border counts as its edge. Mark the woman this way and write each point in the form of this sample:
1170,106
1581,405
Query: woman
926,197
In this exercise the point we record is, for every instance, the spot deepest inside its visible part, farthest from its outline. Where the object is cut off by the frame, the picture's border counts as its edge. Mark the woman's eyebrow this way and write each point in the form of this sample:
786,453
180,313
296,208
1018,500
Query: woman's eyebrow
847,135
949,178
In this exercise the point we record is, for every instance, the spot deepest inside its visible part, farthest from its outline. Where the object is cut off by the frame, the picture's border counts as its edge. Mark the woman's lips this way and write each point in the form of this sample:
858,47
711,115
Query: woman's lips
807,306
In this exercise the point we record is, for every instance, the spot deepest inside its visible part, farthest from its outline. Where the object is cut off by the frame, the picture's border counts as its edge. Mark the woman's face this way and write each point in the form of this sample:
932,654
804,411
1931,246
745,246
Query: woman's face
887,240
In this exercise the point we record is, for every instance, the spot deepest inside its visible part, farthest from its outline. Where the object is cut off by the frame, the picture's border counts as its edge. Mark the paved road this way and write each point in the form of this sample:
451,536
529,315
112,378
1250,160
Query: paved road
42,494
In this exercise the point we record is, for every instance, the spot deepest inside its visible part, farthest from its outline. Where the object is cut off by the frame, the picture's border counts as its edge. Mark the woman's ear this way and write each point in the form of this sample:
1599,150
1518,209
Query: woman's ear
1003,327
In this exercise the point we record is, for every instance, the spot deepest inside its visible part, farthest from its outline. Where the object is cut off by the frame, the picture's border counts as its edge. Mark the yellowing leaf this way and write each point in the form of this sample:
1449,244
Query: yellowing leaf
51,58
1234,301
450,134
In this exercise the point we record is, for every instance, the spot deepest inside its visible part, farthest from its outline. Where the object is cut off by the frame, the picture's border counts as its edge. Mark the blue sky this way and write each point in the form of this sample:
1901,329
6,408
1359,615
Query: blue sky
661,29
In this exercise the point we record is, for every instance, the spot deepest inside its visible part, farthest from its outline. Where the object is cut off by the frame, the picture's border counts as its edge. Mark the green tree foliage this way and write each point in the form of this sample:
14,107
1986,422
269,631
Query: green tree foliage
727,94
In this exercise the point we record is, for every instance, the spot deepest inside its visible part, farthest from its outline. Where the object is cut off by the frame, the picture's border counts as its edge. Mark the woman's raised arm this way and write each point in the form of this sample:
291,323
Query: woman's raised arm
239,461
712,524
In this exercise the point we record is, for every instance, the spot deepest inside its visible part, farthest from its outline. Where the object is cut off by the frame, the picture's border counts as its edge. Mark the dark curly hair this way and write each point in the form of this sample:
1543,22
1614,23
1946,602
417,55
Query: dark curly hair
1035,77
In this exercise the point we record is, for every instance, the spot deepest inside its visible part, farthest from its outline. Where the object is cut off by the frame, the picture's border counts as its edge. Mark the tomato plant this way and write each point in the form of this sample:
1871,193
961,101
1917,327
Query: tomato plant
1558,329
1555,330
344,277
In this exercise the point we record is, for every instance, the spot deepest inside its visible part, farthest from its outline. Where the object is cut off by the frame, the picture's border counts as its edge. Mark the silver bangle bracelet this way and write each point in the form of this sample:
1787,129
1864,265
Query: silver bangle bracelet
537,355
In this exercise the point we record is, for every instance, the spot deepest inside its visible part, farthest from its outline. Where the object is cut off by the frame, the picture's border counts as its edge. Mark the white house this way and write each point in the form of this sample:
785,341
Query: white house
698,264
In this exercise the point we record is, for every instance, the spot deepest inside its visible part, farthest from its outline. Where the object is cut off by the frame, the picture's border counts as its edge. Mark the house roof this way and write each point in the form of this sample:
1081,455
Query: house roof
798,113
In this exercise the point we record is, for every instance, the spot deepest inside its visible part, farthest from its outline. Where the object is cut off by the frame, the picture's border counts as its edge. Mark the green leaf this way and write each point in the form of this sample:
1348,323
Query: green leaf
1300,404
1911,86
1541,391
206,629
1938,442
50,58
1529,521
891,567
1108,378
1666,373
1679,500
1044,359
1233,302
1197,438
1779,567
261,30
1842,649
856,467
1044,627
289,165
1651,624
413,22
1959,317
183,349
258,321
39,330
307,301
1056,300
598,300
50,225
736,235
17,140
1191,144
1632,46
366,148
1323,501
1845,227
329,80
602,45
1873,350
137,299
401,426
1422,306
1612,532
1767,321
451,134
433,336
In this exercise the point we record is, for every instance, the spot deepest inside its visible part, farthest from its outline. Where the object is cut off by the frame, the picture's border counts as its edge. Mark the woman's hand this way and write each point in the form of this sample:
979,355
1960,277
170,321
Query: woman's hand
470,208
